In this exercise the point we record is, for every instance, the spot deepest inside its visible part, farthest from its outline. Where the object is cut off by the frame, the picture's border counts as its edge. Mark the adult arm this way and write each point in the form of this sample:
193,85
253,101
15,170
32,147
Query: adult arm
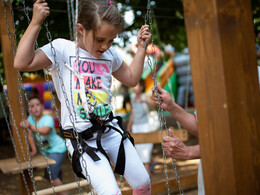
187,120
174,147
27,58
131,75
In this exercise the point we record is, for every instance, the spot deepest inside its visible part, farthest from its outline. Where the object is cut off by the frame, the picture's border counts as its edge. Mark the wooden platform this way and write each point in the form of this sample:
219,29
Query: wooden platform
11,165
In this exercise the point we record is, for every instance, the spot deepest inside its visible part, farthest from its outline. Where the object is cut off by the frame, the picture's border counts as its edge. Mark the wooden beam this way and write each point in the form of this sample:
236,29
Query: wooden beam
224,71
12,83
155,137
62,188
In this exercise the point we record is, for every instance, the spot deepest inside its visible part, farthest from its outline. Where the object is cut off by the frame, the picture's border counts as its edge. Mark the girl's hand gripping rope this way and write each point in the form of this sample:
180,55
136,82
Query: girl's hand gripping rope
144,36
40,11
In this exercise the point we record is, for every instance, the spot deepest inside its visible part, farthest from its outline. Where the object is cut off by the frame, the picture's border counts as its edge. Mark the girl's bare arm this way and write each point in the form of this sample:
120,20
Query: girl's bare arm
27,58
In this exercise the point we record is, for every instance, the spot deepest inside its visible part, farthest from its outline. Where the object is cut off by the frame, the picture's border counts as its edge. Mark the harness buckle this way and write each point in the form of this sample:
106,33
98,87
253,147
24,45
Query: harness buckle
125,135
87,134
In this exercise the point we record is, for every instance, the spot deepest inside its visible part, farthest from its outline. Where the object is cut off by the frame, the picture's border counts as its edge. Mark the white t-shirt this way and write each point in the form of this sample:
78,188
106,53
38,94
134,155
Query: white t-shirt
97,73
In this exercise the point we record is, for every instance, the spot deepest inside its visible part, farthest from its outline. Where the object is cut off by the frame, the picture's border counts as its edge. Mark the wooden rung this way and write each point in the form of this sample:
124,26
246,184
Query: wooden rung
160,186
11,165
62,188
155,137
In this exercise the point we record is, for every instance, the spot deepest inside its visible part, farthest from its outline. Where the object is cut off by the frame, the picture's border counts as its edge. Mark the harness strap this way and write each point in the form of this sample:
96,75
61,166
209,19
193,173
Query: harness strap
75,160
98,126
98,141
86,148
120,162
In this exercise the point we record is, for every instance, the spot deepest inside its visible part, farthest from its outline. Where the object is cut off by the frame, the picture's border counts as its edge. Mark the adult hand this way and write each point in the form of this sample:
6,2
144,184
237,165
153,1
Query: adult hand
164,97
175,148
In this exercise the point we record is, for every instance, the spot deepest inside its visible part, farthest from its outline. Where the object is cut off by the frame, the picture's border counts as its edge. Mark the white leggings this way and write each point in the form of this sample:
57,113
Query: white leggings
100,172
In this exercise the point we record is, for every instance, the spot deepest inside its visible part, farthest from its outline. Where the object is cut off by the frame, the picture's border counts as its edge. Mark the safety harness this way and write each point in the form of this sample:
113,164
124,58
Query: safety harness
98,126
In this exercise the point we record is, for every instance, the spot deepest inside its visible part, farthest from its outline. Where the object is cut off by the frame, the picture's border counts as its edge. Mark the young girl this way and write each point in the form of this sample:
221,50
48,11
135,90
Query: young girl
52,146
101,138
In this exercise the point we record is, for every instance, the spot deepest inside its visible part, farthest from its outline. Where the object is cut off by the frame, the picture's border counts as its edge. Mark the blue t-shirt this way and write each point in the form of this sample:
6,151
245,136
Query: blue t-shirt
51,143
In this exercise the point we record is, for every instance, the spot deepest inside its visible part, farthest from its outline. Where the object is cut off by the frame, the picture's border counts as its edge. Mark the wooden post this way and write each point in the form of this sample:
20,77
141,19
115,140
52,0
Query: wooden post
224,70
12,86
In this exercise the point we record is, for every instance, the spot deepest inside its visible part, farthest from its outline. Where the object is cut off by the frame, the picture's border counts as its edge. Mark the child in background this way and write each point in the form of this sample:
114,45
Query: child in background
139,121
101,138
41,130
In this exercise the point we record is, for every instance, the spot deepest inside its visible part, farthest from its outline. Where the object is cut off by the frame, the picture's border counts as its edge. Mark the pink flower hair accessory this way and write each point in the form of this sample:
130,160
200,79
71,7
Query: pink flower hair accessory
111,2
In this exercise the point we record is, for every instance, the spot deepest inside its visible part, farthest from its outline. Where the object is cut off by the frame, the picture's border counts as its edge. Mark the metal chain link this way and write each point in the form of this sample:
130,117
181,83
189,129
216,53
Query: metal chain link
67,103
25,131
69,19
75,133
50,89
11,135
9,105
13,48
37,130
49,37
161,117
20,99
73,17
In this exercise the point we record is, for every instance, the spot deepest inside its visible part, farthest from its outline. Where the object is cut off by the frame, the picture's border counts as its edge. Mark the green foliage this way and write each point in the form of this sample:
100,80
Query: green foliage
167,18
57,21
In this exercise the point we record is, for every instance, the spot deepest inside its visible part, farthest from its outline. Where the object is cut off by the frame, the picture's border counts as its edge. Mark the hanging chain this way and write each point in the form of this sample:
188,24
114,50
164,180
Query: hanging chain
50,89
73,17
11,135
169,83
13,48
85,93
161,117
49,37
67,103
26,98
23,91
69,19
